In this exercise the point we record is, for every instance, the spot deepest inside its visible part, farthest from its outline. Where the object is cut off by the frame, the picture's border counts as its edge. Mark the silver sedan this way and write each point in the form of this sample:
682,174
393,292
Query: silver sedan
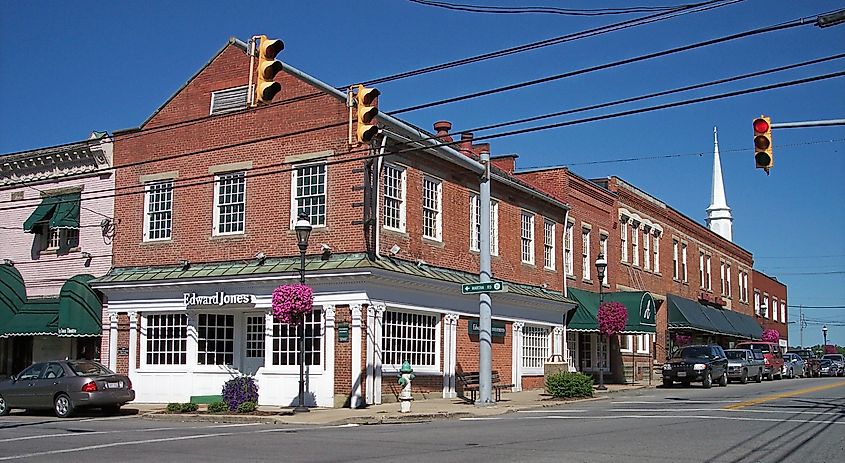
65,386
793,366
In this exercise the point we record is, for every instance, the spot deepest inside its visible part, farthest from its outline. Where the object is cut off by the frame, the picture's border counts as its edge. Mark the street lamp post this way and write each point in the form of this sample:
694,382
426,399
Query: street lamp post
303,231
824,333
601,267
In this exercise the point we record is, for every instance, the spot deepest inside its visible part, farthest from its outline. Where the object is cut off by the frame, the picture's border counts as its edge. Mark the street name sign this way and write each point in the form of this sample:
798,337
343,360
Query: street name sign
489,287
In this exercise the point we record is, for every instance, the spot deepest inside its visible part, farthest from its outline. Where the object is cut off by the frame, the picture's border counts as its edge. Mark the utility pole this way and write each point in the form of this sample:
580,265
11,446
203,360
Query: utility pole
485,315
801,324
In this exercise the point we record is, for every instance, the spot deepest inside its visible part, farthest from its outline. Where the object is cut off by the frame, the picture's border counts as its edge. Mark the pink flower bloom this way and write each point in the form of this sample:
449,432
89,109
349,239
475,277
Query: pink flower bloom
771,335
292,302
613,316
683,339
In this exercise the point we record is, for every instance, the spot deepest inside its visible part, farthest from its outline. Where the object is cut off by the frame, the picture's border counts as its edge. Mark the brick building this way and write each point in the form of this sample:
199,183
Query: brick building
51,247
770,305
208,234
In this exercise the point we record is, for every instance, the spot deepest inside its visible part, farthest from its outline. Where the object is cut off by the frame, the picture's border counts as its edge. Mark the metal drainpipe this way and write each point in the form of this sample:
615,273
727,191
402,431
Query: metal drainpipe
376,190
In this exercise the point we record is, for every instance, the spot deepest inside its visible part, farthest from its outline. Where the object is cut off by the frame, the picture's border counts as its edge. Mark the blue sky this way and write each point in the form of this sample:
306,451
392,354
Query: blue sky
72,67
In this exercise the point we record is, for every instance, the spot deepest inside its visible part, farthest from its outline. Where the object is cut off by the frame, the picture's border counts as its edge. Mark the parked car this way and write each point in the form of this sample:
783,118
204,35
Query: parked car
829,368
699,363
811,362
793,365
65,386
742,365
772,357
839,360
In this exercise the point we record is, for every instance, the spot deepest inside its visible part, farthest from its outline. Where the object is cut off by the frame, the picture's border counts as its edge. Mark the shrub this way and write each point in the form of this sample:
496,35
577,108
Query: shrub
239,390
246,407
174,407
566,385
188,407
218,407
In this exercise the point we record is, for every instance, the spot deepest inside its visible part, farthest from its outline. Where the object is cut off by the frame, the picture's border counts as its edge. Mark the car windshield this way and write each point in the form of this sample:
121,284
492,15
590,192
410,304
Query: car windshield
695,352
735,354
802,353
825,362
837,357
89,369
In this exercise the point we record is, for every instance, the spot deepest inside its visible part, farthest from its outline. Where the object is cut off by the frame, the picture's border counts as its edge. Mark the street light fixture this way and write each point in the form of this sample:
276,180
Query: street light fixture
303,231
601,267
824,333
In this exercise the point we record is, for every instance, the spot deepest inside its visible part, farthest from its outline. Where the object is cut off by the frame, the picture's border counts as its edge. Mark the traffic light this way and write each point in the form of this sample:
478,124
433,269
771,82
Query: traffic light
367,110
763,143
265,87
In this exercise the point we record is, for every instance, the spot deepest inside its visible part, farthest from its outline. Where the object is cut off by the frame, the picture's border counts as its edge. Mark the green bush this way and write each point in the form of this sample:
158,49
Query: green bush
566,385
174,407
218,407
188,407
246,407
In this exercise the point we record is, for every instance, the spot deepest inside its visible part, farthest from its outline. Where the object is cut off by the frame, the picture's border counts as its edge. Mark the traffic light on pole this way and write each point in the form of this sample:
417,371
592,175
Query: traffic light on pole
763,143
367,110
265,87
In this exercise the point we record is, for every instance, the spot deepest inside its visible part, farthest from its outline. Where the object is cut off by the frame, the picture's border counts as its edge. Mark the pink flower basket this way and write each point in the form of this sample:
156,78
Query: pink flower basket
683,340
771,335
292,302
613,317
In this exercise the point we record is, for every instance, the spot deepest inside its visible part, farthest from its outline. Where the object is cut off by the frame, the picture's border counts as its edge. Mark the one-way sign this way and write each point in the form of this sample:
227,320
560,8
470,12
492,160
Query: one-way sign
489,287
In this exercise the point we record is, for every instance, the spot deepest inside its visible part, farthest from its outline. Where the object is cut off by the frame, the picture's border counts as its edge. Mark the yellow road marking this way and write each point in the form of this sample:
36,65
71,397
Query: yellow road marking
782,395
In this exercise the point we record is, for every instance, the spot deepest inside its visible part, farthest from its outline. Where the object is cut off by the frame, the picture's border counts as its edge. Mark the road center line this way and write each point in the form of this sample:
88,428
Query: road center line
657,410
675,402
704,417
782,395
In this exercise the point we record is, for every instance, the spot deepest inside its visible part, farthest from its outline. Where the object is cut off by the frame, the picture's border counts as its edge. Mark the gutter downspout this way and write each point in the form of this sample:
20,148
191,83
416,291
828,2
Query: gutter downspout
375,193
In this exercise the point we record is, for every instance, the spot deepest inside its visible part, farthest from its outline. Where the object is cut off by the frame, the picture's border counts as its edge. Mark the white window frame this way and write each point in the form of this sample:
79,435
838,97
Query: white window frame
294,199
315,319
783,311
730,292
585,252
218,186
549,228
656,253
475,224
145,334
234,341
148,191
643,343
435,209
766,305
684,267
701,278
646,251
775,309
757,308
623,225
536,348
675,269
527,237
722,278
635,246
709,274
603,249
399,201
406,329
626,346
568,240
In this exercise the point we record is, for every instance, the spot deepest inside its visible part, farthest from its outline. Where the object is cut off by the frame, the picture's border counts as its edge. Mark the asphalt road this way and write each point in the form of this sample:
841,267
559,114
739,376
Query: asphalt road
800,420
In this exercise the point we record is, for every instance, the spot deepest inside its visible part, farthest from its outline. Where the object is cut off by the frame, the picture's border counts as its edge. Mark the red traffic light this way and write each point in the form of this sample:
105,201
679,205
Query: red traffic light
761,125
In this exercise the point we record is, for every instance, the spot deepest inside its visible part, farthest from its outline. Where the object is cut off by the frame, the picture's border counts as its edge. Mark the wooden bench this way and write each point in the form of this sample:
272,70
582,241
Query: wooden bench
469,381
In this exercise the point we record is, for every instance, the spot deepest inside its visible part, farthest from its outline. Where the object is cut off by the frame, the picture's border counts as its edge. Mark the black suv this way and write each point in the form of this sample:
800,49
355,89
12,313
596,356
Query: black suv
704,363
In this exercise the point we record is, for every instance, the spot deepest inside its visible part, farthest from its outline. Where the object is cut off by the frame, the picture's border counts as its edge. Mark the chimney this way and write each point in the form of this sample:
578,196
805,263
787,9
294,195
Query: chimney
506,162
442,129
466,143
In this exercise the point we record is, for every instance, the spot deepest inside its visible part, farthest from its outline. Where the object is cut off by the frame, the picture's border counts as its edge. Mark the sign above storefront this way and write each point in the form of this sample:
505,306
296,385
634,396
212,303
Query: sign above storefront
497,328
218,299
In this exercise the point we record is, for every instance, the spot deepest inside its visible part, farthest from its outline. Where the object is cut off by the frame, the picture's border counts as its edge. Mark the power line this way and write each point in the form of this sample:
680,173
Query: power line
544,9
493,136
827,256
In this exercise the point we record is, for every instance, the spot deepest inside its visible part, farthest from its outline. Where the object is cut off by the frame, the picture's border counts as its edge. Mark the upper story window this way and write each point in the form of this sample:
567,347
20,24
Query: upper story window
656,253
701,269
757,310
230,203
635,245
774,309
728,279
527,234
432,208
646,250
675,259
585,252
475,220
568,262
57,239
549,244
308,193
709,279
722,278
231,99
623,227
684,262
603,250
765,305
783,311
745,285
394,197
158,207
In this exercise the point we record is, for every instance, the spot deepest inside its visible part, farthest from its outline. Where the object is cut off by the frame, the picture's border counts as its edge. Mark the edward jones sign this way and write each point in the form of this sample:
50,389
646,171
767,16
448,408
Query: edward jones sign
218,299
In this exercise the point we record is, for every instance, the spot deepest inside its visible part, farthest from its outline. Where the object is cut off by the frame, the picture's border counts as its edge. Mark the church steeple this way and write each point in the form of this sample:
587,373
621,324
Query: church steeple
719,217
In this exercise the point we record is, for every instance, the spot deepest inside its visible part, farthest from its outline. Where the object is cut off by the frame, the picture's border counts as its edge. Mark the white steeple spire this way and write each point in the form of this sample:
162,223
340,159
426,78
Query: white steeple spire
719,217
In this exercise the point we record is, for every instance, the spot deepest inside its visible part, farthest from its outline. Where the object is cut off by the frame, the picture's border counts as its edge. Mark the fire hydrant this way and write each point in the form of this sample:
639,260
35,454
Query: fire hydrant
406,374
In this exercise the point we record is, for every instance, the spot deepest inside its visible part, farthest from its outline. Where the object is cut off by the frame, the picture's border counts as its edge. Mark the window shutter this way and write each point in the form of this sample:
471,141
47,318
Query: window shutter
231,99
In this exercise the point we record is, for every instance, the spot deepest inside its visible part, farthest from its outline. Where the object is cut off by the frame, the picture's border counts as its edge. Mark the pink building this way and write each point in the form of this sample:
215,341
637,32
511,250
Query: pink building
55,234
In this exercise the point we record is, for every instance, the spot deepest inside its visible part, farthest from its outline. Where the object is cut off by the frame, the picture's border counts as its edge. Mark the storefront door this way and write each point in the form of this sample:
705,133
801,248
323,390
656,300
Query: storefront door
253,352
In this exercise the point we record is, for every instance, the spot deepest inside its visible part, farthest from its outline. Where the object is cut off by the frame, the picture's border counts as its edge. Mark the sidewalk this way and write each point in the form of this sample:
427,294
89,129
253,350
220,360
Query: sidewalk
421,410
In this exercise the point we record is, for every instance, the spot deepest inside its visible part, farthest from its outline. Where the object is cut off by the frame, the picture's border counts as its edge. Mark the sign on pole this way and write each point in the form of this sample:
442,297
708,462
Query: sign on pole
488,287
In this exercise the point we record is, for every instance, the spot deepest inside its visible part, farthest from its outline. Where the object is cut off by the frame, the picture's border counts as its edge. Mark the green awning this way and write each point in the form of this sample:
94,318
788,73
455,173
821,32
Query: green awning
721,322
60,211
687,314
12,293
37,317
80,309
747,325
640,305
692,315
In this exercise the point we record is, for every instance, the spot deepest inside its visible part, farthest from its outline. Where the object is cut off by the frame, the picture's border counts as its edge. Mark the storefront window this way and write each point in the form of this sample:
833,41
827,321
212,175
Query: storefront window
255,336
215,339
535,346
286,340
167,339
409,336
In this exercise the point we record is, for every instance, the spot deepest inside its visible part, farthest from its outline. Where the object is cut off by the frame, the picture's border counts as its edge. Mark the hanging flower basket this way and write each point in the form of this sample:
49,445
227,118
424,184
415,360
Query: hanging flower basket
771,335
292,302
613,317
682,340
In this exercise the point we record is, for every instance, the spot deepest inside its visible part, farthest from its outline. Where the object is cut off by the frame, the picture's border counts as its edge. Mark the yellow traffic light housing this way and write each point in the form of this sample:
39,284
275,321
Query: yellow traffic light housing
763,143
265,87
367,111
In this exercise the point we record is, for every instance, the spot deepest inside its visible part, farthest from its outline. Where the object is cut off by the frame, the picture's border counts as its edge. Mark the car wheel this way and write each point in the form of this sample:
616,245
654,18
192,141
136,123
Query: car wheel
667,382
759,377
707,381
62,406
4,407
723,381
744,378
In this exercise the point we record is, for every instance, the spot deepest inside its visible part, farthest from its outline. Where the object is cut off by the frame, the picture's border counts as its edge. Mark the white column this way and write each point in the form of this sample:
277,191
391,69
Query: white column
450,339
377,354
112,341
328,336
517,356
191,360
557,342
355,399
371,316
133,341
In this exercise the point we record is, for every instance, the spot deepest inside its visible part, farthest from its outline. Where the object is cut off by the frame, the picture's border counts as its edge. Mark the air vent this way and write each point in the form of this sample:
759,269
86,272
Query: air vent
228,100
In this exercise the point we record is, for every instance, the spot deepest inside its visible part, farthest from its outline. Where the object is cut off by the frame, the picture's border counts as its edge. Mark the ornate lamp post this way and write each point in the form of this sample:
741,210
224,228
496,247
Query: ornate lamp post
303,231
601,266
824,333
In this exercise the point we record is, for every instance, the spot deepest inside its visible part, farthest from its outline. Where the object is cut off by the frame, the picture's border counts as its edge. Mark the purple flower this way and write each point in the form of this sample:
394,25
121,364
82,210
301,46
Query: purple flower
613,316
291,302
239,390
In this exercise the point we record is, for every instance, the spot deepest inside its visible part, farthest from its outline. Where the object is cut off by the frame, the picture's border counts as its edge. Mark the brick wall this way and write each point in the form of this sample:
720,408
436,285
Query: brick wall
770,286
